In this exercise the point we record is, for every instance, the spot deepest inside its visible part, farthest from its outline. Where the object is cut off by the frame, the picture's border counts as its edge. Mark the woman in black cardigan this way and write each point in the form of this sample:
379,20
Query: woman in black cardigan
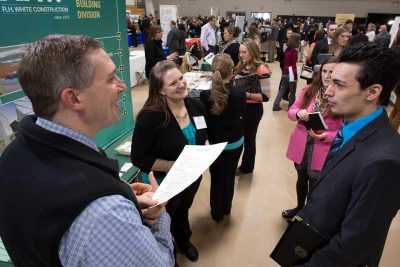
168,121
225,106
153,50
231,33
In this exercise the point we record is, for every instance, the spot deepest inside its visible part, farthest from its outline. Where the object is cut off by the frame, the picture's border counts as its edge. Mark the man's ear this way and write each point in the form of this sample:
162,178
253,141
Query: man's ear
374,91
70,98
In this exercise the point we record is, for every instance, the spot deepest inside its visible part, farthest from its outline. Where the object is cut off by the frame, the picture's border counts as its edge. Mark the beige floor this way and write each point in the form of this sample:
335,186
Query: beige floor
247,237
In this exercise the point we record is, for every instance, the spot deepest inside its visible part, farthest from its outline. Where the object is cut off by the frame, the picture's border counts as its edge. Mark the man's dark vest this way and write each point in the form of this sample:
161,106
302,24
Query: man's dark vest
46,181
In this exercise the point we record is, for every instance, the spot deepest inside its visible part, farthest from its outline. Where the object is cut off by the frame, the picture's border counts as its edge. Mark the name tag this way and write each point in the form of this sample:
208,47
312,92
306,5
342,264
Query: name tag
200,122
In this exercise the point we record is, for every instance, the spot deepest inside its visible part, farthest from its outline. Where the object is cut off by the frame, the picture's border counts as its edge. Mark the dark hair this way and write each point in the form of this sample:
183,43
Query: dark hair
181,27
379,65
52,64
362,28
253,32
348,21
155,101
153,30
319,35
294,41
316,84
210,18
234,30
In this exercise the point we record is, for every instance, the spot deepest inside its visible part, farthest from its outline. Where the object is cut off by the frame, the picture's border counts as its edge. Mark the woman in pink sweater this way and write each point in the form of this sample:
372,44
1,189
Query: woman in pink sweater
308,149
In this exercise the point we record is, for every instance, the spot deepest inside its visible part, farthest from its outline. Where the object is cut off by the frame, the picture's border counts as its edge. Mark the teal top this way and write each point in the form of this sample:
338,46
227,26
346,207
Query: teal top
234,145
190,134
350,129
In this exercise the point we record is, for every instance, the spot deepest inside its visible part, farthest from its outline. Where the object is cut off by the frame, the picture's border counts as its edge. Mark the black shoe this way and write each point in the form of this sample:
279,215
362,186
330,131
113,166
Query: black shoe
288,214
276,108
216,219
239,172
190,251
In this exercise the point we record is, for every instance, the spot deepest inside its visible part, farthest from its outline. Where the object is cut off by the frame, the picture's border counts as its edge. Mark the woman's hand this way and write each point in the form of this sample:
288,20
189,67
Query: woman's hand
302,115
320,137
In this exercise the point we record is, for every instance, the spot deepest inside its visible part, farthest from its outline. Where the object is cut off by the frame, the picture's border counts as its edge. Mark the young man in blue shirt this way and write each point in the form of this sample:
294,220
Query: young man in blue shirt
358,191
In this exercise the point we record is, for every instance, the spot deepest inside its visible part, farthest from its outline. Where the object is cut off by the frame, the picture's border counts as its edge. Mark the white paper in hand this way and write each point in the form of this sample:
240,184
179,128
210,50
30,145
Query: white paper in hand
209,58
291,74
191,163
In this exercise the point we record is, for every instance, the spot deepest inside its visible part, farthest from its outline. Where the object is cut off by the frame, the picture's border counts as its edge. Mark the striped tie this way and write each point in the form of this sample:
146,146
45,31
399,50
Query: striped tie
335,146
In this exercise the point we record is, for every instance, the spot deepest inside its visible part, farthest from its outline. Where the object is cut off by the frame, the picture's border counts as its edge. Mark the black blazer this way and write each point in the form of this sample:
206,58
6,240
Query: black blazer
151,140
154,53
233,51
356,197
227,126
321,47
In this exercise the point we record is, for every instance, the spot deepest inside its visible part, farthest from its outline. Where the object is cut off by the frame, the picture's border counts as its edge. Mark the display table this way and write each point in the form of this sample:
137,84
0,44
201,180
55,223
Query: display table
205,66
130,174
198,81
140,38
191,41
137,63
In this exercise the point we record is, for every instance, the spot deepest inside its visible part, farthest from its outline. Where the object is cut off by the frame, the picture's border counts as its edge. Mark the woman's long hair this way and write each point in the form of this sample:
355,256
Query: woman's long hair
156,101
254,51
334,43
222,67
153,30
294,41
315,85
253,32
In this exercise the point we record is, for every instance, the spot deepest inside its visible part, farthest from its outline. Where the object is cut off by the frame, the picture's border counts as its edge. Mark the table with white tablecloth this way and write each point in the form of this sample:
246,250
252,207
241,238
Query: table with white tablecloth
137,63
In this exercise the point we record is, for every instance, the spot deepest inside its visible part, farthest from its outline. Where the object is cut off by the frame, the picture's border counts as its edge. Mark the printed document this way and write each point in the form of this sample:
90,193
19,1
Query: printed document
191,163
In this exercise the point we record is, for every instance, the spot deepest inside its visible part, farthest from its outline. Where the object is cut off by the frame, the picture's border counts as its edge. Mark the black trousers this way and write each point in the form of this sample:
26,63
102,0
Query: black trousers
223,182
251,120
178,208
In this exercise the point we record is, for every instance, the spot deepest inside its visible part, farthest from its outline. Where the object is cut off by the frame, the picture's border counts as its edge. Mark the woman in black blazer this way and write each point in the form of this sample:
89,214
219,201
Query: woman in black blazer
153,50
231,33
168,121
225,106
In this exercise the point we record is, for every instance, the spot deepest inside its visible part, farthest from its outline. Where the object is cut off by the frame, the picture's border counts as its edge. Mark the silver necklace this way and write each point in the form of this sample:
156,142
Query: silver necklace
181,118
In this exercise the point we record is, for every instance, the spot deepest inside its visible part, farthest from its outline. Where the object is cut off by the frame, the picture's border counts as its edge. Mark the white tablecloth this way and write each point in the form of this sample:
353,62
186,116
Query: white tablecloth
137,64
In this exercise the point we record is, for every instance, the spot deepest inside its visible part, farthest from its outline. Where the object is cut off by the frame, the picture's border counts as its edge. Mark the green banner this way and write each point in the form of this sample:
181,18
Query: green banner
24,21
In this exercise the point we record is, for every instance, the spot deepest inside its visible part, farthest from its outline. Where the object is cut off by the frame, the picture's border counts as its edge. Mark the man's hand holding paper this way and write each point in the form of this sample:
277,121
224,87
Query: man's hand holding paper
191,163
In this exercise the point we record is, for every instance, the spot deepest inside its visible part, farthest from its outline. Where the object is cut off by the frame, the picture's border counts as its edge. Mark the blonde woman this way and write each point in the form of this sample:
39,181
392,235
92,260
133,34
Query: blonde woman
340,40
250,63
224,106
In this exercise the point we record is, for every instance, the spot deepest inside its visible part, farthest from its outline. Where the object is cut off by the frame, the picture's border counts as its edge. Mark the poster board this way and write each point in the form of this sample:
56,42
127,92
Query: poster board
28,21
394,29
239,22
341,18
167,13
214,11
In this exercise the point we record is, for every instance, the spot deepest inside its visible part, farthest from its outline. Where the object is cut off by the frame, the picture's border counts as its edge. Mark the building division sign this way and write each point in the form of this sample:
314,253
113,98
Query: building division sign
25,21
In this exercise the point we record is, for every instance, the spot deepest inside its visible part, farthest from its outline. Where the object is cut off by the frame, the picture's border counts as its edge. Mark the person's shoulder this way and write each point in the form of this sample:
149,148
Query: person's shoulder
150,115
262,69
